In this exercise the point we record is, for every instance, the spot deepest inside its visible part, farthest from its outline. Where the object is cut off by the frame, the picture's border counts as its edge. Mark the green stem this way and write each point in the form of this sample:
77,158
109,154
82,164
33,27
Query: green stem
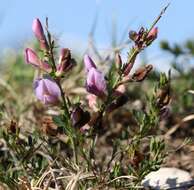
74,147
65,108
159,17
51,55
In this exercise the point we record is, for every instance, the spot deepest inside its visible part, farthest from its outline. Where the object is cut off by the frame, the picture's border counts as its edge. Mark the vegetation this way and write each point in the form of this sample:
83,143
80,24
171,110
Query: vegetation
82,128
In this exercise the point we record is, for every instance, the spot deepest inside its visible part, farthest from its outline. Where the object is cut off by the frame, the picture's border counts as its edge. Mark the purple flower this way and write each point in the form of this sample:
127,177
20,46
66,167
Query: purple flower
95,83
47,91
32,58
39,33
88,63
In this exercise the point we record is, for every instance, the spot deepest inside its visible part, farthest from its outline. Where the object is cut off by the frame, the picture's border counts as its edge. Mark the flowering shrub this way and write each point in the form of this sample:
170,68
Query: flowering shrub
75,159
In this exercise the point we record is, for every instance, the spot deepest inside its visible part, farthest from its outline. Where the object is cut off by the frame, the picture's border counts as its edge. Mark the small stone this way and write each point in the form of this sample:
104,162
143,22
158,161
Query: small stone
166,178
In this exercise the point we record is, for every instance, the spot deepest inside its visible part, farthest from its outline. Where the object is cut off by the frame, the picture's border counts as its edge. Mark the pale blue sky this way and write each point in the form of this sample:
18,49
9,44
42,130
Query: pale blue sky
72,19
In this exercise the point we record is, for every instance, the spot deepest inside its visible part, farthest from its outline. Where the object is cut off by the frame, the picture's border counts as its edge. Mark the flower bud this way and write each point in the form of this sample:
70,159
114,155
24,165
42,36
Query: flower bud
65,62
129,66
47,91
88,63
79,117
32,58
133,35
138,38
152,35
118,61
39,33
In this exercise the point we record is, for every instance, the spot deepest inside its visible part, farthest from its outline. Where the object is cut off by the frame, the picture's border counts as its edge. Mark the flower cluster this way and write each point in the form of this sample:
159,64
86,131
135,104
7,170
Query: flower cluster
142,39
109,89
80,130
46,88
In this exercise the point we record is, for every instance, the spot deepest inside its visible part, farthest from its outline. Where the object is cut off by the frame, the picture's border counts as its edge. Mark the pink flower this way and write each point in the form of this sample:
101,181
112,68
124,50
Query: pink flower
95,82
39,33
47,91
88,63
32,58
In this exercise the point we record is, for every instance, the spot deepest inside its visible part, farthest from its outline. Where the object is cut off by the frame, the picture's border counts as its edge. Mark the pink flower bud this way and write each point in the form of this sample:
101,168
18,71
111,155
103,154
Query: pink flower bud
32,58
37,29
152,35
39,33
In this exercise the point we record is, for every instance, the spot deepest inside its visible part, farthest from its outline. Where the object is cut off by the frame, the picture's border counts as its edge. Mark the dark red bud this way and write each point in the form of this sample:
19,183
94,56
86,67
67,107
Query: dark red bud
65,62
79,117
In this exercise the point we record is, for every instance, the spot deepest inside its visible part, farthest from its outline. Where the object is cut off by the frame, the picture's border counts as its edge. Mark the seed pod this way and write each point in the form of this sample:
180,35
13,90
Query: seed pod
163,96
48,126
120,101
136,159
142,73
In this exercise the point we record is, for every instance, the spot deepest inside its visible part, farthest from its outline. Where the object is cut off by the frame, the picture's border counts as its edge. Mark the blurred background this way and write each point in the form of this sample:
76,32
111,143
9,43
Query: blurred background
73,21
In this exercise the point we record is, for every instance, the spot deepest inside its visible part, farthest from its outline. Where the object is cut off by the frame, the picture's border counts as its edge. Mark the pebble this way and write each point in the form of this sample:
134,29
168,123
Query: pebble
168,178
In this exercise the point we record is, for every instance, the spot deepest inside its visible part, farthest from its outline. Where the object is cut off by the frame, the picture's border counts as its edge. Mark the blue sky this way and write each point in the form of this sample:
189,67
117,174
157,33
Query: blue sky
72,19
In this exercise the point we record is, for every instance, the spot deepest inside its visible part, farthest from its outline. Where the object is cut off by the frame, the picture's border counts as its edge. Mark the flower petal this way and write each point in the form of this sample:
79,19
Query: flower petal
47,91
88,63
